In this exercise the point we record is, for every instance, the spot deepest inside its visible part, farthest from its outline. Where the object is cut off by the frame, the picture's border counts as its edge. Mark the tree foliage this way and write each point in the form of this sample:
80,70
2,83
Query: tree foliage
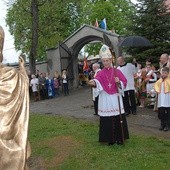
117,14
152,20
55,23
58,19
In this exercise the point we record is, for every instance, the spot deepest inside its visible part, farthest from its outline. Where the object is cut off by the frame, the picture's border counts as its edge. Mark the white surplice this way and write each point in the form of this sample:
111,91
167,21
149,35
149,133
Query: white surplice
108,103
163,98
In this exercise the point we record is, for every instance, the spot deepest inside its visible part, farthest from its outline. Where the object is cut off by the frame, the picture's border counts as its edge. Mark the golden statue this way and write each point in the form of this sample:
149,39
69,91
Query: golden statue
14,114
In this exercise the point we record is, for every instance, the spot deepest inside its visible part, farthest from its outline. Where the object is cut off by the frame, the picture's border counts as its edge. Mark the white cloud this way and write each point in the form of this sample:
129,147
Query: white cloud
9,52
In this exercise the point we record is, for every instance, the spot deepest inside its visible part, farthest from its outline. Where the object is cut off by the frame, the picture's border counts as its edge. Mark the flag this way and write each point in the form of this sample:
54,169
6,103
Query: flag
96,23
103,24
85,65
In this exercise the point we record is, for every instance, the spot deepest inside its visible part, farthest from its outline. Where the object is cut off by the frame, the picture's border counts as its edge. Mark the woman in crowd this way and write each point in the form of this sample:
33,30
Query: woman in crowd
57,83
138,81
65,79
50,87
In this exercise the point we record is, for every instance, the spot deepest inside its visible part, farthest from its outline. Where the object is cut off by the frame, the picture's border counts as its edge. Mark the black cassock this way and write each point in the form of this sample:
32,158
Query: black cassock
110,129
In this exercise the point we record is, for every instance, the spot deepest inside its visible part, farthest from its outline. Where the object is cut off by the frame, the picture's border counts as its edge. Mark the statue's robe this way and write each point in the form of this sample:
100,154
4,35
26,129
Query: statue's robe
14,118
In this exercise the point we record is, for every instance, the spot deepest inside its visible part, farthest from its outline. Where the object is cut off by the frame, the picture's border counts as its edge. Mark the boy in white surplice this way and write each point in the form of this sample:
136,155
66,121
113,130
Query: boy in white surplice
162,87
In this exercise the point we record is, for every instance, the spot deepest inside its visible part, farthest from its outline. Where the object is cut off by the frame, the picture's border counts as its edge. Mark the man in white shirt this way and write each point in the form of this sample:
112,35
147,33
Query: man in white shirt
129,100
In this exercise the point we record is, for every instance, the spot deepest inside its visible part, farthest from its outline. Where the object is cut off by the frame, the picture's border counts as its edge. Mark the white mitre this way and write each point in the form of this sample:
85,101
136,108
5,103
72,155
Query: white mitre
105,52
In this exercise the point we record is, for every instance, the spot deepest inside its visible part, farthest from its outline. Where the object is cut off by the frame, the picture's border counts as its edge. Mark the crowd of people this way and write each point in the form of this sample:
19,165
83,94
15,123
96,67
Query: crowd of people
44,86
141,80
117,90
135,85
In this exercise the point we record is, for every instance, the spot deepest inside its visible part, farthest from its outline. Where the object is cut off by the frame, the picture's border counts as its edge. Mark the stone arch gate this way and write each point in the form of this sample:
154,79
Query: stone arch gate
65,56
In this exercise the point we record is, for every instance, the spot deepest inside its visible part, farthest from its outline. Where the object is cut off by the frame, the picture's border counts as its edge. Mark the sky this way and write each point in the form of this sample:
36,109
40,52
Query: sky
9,52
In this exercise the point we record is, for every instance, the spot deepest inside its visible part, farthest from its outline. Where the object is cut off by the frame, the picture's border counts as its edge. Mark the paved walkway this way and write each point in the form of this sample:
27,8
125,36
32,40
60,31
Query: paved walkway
80,106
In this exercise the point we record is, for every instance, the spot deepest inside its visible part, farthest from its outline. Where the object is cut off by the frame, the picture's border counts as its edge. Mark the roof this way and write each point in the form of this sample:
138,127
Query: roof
90,27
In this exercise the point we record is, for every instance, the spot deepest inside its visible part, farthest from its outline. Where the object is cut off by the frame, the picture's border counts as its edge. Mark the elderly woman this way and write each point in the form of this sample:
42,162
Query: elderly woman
109,82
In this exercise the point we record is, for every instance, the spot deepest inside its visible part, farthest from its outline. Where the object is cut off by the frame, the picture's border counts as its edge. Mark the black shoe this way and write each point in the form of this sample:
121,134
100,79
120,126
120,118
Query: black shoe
162,127
110,143
95,114
127,113
119,143
134,112
166,128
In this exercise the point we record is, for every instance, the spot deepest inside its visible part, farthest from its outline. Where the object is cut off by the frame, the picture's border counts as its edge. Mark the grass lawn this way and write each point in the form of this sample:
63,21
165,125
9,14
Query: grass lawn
60,143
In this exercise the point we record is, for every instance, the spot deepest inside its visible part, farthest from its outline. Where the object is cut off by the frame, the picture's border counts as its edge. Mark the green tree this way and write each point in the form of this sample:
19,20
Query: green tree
152,20
117,14
57,19
34,38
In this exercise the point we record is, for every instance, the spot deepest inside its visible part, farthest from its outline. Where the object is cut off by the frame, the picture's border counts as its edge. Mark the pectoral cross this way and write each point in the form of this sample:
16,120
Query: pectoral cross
109,85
